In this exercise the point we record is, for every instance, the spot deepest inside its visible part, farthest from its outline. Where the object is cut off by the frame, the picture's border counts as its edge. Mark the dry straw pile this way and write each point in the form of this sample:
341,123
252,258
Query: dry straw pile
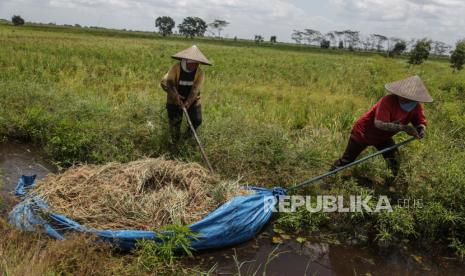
143,194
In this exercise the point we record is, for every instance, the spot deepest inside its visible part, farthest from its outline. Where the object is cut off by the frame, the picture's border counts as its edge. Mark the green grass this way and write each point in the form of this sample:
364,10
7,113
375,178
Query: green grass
1,186
35,254
272,114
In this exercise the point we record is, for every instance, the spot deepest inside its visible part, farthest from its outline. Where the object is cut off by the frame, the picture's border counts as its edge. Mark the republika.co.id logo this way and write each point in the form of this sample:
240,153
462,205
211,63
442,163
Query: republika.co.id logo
328,203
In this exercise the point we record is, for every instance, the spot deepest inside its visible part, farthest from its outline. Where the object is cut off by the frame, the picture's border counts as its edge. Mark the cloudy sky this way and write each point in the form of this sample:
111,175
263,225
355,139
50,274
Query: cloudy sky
437,19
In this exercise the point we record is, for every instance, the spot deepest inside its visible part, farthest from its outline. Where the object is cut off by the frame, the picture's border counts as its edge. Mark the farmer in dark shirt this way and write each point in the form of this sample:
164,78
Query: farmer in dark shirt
182,84
391,114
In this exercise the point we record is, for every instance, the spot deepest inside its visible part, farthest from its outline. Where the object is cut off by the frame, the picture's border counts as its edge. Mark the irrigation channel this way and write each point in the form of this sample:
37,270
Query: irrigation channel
289,258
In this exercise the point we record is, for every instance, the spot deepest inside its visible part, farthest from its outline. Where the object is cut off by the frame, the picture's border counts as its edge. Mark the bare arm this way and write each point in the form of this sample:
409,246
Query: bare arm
168,84
171,87
389,126
396,127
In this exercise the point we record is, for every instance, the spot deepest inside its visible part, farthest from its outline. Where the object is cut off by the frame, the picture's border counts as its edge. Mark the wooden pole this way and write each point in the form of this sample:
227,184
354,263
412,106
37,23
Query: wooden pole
202,151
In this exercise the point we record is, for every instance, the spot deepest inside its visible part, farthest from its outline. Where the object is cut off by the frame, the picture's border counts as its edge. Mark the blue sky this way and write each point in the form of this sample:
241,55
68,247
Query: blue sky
437,19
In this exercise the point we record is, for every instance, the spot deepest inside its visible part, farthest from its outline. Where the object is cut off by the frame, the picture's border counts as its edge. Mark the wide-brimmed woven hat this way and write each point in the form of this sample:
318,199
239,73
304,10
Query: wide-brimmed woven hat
411,88
192,53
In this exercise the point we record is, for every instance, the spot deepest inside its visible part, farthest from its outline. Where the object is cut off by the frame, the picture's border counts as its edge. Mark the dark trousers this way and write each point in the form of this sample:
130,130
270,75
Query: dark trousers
175,115
354,149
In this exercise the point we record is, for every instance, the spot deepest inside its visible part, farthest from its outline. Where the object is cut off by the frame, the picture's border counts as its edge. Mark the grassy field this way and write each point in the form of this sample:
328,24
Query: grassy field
272,116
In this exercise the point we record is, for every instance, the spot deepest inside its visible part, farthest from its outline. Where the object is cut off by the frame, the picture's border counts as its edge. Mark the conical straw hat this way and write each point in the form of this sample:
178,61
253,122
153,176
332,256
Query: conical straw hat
192,53
411,88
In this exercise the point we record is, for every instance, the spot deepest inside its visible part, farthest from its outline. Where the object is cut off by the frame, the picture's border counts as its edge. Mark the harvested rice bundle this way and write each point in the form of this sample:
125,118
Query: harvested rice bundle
143,194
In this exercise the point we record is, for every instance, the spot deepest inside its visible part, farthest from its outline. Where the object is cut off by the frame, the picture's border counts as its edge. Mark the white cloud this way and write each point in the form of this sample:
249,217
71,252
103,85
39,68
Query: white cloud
264,10
439,19
246,16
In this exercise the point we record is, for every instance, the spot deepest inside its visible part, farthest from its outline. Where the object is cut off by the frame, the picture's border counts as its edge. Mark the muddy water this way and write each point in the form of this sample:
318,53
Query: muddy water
289,258
320,258
17,159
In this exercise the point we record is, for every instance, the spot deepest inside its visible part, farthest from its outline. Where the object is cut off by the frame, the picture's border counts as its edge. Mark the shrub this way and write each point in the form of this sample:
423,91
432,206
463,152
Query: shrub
303,219
421,52
398,49
17,20
172,238
457,58
258,39
394,226
325,44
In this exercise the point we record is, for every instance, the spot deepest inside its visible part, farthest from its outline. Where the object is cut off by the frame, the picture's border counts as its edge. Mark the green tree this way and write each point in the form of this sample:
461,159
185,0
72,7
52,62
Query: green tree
313,36
457,58
218,25
440,48
325,44
420,52
192,26
398,48
331,37
17,20
353,38
165,25
379,40
340,36
297,36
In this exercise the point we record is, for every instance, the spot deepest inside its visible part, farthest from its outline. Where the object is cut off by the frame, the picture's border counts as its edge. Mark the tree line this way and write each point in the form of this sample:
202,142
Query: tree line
419,50
354,40
190,26
195,26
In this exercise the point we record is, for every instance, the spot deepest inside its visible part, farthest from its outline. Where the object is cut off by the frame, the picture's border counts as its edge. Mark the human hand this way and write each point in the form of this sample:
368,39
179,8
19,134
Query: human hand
410,130
421,129
190,101
179,100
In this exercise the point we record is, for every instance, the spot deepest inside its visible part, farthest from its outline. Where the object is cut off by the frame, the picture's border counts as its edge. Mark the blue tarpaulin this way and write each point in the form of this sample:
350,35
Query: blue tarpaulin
236,221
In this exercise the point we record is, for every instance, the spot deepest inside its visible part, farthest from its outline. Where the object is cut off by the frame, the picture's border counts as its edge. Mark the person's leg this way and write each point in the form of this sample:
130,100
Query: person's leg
175,120
195,114
351,153
391,157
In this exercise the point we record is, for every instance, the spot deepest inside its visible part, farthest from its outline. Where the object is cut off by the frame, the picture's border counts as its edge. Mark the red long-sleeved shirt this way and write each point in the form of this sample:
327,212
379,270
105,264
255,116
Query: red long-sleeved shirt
386,110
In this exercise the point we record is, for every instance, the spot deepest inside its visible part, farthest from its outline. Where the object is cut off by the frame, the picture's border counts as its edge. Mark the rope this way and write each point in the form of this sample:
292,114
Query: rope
317,178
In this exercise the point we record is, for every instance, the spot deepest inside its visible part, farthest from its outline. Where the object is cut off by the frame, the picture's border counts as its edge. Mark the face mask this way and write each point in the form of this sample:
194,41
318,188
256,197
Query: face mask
408,106
184,65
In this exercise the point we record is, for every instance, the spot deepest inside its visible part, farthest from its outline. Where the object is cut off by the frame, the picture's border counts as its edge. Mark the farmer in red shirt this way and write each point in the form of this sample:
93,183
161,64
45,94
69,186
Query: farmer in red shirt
391,114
